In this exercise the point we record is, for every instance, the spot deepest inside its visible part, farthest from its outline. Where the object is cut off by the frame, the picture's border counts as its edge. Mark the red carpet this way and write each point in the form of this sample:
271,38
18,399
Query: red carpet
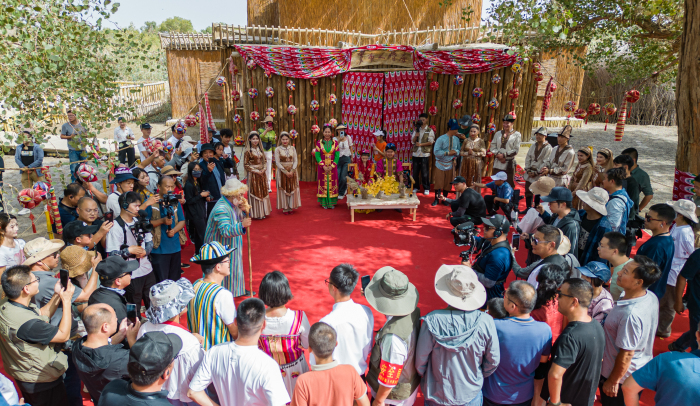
309,243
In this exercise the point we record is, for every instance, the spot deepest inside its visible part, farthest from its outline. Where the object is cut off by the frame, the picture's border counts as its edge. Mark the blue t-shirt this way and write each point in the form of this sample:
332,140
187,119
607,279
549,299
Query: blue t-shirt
522,342
496,266
674,377
504,191
167,245
660,250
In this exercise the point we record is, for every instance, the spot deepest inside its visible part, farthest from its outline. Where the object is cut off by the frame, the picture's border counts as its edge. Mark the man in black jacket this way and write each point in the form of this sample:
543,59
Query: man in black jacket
98,360
469,206
565,219
115,276
213,175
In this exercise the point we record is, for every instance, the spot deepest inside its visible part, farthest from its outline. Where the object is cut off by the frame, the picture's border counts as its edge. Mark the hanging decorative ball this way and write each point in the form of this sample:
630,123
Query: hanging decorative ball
332,99
251,64
315,129
313,82
570,106
181,127
552,87
512,113
632,96
87,172
29,198
255,116
539,76
168,147
457,104
458,80
496,79
221,81
516,67
293,134
476,118
580,114
291,86
237,118
493,104
292,109
238,140
268,74
236,95
269,91
42,188
477,92
270,112
152,144
333,122
197,117
434,128
314,105
536,68
492,128
514,93
610,109
191,120
434,85
593,109
253,92
432,110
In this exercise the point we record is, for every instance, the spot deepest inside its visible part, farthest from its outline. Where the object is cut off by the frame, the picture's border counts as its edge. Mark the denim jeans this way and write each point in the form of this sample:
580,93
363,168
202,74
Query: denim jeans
343,163
74,156
477,401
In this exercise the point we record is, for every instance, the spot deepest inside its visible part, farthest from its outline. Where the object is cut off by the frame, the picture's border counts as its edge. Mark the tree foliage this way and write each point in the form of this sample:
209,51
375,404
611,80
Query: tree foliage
634,39
176,24
57,56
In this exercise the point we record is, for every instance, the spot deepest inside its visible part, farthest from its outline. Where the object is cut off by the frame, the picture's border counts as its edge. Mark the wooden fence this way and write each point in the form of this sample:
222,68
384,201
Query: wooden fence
146,97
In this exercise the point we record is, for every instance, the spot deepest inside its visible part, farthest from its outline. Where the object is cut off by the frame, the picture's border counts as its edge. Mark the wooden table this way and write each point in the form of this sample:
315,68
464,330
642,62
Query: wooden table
386,202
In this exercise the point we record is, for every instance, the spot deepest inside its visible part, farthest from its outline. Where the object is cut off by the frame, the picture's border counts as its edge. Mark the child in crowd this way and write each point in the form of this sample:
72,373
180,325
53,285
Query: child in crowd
495,308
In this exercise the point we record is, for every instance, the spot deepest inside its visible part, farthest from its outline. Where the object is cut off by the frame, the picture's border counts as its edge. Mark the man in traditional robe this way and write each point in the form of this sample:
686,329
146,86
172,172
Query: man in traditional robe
505,146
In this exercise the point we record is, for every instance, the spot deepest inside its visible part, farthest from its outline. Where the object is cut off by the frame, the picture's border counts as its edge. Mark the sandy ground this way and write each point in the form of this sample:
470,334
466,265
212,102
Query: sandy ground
656,146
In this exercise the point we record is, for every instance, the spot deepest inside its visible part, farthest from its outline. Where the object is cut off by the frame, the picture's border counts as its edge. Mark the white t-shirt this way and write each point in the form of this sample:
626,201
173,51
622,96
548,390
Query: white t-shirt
142,148
684,245
225,308
186,362
344,146
282,325
115,238
12,256
394,353
353,324
242,376
122,135
113,203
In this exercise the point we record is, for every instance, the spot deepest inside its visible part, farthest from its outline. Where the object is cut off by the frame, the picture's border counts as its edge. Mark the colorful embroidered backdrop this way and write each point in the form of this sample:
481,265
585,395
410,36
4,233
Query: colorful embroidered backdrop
683,185
404,94
363,95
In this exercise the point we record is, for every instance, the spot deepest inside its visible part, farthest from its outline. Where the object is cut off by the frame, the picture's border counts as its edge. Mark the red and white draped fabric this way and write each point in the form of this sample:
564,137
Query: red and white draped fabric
363,98
683,185
210,119
404,101
203,134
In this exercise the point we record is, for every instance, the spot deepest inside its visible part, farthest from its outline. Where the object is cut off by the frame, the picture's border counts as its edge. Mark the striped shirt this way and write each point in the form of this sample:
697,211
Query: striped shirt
210,312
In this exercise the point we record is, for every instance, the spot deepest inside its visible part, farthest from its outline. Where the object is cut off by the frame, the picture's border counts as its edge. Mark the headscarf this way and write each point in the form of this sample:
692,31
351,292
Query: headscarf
609,155
589,153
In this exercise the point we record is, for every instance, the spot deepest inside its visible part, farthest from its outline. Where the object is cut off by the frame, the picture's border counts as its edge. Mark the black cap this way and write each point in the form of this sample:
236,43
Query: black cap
145,126
211,130
154,351
459,179
76,228
509,117
558,194
497,221
465,121
207,147
114,267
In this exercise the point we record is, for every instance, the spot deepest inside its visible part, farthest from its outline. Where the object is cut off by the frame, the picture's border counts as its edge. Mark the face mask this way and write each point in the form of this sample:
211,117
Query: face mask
196,174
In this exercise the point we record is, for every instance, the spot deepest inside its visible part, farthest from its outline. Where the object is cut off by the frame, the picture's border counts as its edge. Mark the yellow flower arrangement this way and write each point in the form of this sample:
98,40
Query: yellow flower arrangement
388,184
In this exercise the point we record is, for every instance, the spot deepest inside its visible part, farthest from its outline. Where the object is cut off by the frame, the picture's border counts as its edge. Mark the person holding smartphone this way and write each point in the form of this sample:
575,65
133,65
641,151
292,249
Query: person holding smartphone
268,140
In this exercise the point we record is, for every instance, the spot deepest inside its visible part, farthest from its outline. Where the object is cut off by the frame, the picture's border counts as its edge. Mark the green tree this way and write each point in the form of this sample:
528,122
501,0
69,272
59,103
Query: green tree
149,26
206,30
54,57
176,24
655,40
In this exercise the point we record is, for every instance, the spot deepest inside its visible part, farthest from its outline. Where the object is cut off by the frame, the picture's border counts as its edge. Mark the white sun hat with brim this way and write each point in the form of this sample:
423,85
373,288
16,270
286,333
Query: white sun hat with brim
686,208
596,198
40,248
459,287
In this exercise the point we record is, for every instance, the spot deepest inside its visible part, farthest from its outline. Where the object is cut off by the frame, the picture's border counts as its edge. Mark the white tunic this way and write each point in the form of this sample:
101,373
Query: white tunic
510,149
536,162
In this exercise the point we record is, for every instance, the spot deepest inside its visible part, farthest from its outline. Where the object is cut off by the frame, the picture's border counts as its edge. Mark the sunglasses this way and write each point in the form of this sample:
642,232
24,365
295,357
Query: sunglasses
649,218
537,241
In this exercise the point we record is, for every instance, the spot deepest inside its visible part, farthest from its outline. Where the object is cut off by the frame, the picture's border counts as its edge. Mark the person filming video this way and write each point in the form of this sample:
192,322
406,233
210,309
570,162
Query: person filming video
469,206
494,262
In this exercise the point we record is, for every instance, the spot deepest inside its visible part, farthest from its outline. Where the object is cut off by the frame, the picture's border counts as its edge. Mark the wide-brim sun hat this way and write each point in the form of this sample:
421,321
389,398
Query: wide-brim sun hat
168,299
168,170
40,248
459,287
76,260
564,244
390,293
121,175
233,186
685,208
596,199
542,186
212,253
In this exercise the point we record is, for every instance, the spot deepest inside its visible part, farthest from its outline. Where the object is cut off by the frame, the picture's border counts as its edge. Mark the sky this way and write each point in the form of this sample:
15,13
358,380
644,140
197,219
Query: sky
201,12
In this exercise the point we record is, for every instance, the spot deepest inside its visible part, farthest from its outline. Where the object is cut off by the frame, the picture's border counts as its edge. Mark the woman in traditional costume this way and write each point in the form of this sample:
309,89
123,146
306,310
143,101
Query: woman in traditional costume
288,195
473,152
604,161
254,162
286,332
327,155
581,176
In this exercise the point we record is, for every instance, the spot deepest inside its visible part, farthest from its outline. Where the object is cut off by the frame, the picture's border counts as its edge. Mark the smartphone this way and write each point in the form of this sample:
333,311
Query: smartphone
131,312
109,216
64,278
515,241
365,281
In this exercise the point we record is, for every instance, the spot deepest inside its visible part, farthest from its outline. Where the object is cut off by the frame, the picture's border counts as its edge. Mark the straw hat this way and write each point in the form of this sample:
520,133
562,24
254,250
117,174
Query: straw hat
40,248
233,186
268,119
542,186
168,299
390,292
596,198
169,171
459,287
685,208
76,260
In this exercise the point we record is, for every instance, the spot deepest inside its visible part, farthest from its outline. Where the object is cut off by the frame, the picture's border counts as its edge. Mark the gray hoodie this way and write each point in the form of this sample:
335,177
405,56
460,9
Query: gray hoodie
456,350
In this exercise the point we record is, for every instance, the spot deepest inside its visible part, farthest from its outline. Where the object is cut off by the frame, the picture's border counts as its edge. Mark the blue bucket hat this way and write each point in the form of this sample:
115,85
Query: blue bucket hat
595,269
122,174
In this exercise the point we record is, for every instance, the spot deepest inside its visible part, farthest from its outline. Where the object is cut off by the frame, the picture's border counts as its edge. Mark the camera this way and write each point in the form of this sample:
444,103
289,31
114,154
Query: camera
418,124
141,226
465,236
170,199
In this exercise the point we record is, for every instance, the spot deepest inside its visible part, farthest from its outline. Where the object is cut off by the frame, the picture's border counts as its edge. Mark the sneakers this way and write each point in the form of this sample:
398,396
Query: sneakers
341,197
426,192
